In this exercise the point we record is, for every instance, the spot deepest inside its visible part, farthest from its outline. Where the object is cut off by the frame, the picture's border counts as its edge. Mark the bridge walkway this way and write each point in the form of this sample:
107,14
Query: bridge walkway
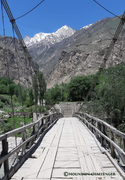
65,152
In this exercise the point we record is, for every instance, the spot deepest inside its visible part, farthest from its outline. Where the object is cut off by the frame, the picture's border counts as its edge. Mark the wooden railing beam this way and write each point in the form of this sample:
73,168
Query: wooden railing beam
37,129
105,133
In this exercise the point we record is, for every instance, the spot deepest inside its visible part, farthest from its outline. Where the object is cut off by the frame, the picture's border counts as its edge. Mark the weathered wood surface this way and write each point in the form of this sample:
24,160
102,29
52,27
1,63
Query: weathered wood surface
31,135
69,147
110,137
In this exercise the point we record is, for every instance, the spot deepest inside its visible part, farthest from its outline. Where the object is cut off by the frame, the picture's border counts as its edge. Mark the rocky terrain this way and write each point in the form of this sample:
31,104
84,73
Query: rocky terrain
79,54
41,42
63,54
14,63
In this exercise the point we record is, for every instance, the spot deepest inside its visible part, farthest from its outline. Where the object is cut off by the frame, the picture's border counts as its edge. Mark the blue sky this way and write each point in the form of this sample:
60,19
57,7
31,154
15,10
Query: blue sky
53,14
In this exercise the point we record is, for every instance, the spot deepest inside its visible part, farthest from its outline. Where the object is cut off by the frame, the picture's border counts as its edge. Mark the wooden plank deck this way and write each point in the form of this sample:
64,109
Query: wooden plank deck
68,147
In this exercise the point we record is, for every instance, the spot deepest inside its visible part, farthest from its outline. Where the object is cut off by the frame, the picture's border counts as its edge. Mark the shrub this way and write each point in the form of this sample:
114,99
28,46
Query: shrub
121,127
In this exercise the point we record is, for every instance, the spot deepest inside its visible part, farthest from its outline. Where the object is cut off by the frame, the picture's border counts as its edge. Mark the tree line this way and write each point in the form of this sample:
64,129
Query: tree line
27,96
108,96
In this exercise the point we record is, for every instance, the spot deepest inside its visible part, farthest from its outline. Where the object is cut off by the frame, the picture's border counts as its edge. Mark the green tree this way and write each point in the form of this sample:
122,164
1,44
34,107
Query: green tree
42,87
35,88
53,95
79,87
31,97
6,86
111,92
39,87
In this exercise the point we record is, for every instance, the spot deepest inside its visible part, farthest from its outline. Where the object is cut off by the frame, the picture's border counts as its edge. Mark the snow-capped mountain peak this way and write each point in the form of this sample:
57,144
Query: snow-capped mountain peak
50,38
86,27
64,31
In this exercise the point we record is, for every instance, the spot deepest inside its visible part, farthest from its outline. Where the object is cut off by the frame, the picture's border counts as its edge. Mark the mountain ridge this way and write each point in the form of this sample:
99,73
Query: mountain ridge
79,54
50,38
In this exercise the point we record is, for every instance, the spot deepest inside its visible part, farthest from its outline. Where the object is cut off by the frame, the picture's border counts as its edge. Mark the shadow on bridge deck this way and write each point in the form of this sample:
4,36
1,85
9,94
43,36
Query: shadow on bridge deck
67,151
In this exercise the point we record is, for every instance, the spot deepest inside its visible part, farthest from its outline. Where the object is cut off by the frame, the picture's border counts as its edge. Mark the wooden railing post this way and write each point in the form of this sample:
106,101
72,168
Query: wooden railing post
106,134
23,139
123,140
49,121
51,118
96,133
5,152
89,121
111,146
93,125
34,129
99,128
102,138
23,149
38,127
42,123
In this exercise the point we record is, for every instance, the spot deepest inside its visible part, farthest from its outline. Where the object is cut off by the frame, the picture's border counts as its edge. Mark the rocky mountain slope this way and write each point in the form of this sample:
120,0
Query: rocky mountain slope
49,38
41,42
13,62
79,54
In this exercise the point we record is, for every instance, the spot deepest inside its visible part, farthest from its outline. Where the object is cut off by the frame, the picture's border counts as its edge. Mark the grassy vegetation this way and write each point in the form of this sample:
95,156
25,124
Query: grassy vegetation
16,98
13,123
18,121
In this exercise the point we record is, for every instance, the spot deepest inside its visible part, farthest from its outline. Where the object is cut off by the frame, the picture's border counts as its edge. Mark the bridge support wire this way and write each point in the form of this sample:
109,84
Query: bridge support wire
109,50
16,29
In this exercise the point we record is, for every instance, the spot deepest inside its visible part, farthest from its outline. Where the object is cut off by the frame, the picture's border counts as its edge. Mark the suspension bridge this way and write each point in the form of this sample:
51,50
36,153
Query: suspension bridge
68,144
73,146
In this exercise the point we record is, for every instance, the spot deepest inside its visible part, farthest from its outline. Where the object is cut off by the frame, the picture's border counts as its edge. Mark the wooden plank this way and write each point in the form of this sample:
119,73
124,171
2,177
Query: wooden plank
68,147
79,146
47,167
64,157
67,152
118,149
35,163
91,152
67,164
92,163
84,167
56,140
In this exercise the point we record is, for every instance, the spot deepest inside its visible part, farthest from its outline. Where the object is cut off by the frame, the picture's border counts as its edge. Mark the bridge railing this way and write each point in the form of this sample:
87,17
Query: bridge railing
23,142
110,138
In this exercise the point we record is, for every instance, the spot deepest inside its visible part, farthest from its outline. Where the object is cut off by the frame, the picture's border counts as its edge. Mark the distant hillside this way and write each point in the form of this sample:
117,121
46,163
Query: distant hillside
13,63
81,53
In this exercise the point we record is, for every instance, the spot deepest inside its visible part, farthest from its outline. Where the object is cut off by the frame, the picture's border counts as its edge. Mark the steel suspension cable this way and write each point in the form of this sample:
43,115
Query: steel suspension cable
106,9
8,69
3,20
109,50
30,10
20,88
12,20
15,27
